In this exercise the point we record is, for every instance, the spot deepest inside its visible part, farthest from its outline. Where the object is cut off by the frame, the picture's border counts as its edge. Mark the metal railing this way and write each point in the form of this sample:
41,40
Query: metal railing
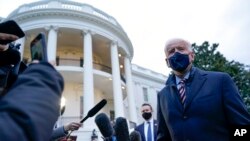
79,63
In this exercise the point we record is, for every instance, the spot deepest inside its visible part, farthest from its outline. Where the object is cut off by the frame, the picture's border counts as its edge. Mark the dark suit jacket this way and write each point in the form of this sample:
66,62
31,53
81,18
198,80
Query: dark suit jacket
212,105
58,133
30,108
140,129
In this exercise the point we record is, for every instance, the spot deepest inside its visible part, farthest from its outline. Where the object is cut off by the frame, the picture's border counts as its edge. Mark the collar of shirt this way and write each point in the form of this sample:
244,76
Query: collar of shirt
178,79
146,127
150,120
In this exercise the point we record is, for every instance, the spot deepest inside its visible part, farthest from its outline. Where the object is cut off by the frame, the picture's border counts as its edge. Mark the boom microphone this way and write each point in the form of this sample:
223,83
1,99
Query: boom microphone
103,123
135,136
121,129
92,112
95,109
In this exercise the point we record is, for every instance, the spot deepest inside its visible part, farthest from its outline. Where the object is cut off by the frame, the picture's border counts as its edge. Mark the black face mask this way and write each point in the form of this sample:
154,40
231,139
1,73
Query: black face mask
147,116
179,62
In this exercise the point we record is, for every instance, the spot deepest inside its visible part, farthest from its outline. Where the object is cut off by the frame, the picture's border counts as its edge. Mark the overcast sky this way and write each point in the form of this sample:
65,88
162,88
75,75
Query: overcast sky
149,23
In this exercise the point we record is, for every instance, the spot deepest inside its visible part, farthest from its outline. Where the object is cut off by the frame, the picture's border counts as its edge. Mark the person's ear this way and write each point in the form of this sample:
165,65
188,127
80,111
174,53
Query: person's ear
192,55
167,62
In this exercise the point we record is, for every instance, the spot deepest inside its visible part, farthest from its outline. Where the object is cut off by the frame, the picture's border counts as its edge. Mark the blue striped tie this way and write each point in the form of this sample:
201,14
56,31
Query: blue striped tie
182,91
149,137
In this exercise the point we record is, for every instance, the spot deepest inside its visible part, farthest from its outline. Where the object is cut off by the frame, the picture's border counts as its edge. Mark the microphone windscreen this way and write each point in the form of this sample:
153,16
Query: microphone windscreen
121,129
103,123
135,136
97,108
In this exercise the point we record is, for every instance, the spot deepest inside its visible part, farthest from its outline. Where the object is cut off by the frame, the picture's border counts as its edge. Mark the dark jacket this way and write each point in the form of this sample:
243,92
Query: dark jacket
212,105
58,133
140,129
30,109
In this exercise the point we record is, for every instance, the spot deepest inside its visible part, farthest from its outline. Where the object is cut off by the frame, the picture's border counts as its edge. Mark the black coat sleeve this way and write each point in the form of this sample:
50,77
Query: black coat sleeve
235,108
30,109
58,133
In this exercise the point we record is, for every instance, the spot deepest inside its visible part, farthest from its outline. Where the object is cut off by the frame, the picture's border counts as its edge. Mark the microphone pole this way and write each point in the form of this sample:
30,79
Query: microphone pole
92,112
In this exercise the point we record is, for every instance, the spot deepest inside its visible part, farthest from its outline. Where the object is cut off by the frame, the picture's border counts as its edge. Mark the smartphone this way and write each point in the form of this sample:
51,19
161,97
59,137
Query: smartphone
38,48
10,27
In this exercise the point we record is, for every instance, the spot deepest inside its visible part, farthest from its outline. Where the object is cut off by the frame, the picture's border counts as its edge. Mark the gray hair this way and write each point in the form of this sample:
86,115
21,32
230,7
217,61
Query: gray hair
177,40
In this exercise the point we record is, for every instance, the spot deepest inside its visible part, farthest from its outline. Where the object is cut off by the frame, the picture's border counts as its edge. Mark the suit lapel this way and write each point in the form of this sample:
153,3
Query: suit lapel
173,93
196,82
142,131
155,129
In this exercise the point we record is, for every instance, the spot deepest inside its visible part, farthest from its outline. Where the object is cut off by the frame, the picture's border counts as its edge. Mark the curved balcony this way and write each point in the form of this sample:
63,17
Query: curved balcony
79,63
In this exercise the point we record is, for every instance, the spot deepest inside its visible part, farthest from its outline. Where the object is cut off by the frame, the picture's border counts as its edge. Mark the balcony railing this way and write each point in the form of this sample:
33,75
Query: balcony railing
79,63
69,62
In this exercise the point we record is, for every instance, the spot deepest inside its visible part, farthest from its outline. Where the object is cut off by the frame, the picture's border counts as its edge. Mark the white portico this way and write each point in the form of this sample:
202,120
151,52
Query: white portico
93,53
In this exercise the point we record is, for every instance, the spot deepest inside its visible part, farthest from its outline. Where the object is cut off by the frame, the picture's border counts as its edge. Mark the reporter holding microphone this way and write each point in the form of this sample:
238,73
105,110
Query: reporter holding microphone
29,109
63,131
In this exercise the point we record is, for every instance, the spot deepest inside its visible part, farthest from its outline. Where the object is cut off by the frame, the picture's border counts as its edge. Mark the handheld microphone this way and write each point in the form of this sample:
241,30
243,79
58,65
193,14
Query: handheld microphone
103,123
92,112
135,136
121,129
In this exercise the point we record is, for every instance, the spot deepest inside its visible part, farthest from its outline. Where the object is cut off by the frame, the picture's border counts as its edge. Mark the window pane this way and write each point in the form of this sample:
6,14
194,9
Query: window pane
145,94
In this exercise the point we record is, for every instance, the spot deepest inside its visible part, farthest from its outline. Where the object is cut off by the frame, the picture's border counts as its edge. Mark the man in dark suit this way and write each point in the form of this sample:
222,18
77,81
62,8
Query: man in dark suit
148,128
203,107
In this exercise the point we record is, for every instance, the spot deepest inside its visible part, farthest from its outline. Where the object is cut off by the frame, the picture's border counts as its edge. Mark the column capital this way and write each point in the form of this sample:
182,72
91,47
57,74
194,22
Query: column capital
53,27
87,31
128,57
151,87
114,42
137,83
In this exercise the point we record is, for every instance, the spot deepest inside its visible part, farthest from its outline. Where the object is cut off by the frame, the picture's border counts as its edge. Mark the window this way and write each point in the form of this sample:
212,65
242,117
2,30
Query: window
112,115
145,94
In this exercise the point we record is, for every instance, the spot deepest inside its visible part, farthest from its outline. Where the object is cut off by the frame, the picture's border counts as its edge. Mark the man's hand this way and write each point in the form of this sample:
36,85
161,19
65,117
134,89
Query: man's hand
72,126
4,36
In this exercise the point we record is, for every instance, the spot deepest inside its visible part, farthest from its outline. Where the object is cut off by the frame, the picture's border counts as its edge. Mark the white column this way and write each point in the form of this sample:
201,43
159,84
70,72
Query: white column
130,94
88,92
153,100
52,43
139,99
117,90
22,42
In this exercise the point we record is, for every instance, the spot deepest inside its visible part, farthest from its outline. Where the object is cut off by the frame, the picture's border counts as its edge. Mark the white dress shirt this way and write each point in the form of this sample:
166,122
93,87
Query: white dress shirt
146,128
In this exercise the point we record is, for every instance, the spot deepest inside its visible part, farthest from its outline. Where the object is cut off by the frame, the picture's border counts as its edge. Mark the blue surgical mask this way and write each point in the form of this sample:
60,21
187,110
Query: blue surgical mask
179,62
